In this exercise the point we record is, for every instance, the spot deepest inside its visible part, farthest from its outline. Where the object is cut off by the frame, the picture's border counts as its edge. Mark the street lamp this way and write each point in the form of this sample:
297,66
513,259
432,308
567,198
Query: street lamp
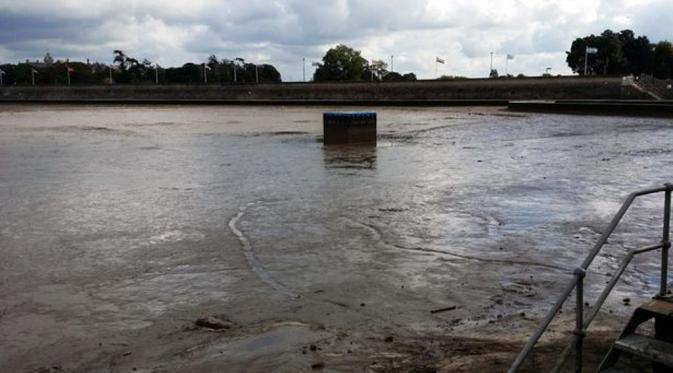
234,62
316,65
205,73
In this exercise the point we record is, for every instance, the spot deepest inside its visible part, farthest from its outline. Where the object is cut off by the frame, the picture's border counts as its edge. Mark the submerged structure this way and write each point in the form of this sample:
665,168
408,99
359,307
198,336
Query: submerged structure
349,128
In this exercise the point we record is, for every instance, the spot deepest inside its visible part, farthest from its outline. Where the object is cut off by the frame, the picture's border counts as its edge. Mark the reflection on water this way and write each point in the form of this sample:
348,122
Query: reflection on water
446,196
360,157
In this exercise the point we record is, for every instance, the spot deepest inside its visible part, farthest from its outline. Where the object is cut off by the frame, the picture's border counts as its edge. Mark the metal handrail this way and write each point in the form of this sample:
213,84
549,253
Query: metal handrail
577,281
602,298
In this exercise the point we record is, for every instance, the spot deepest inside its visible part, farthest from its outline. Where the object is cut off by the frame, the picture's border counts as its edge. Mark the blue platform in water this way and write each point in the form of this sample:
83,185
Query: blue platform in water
349,115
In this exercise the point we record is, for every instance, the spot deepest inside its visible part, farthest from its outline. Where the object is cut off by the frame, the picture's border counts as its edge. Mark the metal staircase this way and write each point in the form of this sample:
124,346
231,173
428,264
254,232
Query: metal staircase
657,349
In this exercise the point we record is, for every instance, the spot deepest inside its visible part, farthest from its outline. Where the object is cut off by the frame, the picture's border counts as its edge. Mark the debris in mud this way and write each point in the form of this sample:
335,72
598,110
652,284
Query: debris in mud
214,322
318,366
524,289
54,369
392,209
627,301
93,128
388,339
445,309
497,299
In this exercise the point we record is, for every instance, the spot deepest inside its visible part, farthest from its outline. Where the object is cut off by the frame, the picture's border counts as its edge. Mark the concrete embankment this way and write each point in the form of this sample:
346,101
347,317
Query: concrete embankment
427,93
639,108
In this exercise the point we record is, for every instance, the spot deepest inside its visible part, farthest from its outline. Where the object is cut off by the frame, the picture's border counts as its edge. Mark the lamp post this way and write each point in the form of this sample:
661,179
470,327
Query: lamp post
235,67
205,73
316,65
68,71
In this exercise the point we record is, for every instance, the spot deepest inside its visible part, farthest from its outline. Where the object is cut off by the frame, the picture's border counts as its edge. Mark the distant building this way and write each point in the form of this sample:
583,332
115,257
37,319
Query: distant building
48,59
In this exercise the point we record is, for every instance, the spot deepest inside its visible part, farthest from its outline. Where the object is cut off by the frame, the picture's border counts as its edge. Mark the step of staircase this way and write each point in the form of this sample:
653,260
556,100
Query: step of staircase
618,370
648,348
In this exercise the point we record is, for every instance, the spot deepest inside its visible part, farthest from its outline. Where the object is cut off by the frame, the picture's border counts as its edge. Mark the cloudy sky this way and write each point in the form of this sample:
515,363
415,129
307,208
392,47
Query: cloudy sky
281,32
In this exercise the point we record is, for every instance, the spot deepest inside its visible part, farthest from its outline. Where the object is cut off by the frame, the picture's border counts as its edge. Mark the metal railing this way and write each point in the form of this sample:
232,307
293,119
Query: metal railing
577,282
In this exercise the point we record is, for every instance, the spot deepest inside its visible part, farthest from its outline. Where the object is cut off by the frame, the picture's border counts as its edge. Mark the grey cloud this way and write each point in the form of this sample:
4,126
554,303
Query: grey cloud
284,31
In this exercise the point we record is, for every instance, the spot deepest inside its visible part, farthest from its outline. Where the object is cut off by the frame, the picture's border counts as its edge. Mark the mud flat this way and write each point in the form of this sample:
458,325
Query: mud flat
437,250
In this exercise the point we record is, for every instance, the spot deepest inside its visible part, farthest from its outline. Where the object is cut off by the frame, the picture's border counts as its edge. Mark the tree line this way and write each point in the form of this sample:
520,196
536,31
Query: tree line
616,53
621,53
129,70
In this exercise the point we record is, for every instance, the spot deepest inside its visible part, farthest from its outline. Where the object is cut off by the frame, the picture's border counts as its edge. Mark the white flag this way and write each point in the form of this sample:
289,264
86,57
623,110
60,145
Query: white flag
35,71
316,64
2,72
510,56
439,60
207,67
592,50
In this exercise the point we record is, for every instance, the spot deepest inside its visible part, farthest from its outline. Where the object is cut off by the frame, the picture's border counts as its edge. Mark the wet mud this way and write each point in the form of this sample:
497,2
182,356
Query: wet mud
199,239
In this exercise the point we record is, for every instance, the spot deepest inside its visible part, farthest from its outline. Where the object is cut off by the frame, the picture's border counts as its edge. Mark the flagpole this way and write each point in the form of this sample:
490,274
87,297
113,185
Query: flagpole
507,66
205,74
156,74
586,58
110,68
32,75
67,69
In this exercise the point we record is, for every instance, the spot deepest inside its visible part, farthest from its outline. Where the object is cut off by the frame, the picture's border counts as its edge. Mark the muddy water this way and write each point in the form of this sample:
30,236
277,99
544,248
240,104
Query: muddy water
121,225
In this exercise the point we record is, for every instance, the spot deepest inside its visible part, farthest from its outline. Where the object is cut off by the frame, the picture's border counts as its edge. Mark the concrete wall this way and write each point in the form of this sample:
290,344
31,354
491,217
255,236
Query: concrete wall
419,92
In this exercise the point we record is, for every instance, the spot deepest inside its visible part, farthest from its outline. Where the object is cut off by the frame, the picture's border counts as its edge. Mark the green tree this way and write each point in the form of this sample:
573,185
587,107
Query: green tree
618,53
663,60
397,77
341,63
637,53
